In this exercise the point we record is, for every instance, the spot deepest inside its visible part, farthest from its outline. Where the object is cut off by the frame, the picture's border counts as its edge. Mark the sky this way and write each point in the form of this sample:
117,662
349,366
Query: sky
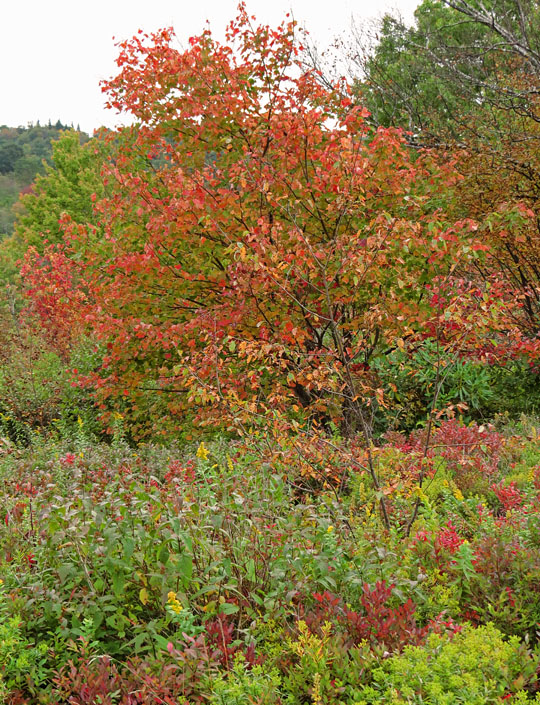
54,53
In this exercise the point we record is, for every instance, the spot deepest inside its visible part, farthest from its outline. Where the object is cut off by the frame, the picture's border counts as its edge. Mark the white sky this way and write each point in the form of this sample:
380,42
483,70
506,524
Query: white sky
53,53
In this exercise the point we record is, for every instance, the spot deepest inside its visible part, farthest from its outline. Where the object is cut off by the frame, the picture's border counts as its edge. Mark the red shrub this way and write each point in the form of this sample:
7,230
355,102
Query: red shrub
508,495
377,622
448,539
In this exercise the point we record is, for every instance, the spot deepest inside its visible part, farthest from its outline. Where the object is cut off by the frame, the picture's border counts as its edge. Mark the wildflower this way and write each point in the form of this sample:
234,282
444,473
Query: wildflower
174,603
230,463
330,529
202,452
80,421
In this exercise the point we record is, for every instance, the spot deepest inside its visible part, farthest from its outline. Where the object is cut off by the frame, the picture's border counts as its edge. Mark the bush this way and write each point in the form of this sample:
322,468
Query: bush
475,667
22,663
242,685
409,380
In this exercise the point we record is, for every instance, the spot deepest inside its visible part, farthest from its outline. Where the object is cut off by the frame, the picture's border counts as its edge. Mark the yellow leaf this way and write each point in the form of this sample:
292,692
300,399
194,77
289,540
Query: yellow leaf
143,595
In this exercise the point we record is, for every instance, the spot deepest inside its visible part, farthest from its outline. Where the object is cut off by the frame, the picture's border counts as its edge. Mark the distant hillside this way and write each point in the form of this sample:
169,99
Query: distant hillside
22,153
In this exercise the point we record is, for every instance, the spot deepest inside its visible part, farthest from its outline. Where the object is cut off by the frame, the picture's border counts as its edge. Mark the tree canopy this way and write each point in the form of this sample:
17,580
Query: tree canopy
262,242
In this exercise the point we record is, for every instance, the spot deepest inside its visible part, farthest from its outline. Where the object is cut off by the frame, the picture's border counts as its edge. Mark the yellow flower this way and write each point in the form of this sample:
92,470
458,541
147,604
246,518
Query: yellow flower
330,529
174,603
230,463
79,421
202,452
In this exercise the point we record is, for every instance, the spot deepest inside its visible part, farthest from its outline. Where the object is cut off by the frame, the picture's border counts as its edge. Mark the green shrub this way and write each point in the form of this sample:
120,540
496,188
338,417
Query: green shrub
32,377
243,686
410,379
22,663
475,667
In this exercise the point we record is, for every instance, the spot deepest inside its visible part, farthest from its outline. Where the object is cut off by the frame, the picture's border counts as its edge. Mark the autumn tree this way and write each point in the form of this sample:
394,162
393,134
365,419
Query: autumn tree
262,242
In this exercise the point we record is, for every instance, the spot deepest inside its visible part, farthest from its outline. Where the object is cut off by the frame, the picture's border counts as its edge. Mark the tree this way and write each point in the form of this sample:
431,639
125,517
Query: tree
457,73
66,188
261,241
465,78
64,191
9,155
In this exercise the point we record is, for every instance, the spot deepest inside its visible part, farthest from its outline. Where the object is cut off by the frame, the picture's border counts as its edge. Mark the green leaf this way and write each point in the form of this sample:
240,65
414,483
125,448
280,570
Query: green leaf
163,553
250,570
64,571
185,569
118,583
129,547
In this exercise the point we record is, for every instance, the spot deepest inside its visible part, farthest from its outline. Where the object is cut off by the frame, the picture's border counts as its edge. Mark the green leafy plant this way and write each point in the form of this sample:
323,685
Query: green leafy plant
474,667
23,663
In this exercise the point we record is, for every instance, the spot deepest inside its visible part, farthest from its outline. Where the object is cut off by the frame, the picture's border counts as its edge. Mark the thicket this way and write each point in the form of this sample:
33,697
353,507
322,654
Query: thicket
269,382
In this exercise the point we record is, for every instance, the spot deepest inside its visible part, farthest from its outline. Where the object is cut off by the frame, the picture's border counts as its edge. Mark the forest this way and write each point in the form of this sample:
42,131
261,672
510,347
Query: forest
270,372
23,153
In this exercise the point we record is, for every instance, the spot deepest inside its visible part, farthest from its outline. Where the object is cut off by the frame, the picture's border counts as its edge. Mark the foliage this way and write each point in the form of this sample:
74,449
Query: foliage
205,571
475,666
454,73
409,380
323,668
257,264
252,264
37,388
384,627
464,78
23,151
22,663
241,685
32,375
64,189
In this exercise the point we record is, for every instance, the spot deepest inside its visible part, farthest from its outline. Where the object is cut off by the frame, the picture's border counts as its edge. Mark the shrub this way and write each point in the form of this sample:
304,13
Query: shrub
409,381
474,667
22,663
378,623
243,685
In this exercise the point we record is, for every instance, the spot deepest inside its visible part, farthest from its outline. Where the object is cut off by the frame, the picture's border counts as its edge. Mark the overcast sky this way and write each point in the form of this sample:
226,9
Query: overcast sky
53,53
